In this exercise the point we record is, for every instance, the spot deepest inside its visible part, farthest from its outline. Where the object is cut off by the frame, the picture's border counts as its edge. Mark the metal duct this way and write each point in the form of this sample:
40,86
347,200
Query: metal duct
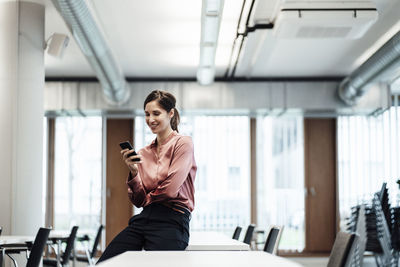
379,67
91,41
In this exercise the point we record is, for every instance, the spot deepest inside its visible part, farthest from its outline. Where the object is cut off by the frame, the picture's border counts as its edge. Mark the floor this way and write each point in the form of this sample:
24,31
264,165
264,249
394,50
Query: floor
323,261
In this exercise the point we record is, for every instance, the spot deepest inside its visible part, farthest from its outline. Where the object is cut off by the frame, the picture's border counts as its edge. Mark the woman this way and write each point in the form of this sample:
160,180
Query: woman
162,182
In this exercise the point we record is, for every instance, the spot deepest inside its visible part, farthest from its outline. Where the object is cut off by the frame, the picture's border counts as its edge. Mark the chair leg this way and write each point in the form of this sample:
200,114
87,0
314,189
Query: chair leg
74,254
90,260
14,261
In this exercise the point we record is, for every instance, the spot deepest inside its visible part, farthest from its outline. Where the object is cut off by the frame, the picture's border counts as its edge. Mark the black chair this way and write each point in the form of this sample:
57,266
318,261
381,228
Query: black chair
1,250
36,248
90,255
273,238
249,234
64,259
236,234
341,250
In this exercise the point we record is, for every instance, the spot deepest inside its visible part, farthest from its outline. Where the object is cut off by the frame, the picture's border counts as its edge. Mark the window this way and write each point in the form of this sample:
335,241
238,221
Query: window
234,178
280,184
222,147
368,155
77,181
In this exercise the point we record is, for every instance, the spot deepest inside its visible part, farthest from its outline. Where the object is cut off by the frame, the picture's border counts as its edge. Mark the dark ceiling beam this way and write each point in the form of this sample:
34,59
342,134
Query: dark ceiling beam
187,79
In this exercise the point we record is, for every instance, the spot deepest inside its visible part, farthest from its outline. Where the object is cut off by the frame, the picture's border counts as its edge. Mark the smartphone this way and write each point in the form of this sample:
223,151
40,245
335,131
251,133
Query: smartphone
127,145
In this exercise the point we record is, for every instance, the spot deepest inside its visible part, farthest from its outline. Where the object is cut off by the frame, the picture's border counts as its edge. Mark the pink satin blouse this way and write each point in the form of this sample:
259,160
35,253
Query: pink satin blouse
167,177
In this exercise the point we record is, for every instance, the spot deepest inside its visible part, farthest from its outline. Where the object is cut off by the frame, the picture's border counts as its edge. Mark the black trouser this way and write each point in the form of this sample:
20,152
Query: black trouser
157,227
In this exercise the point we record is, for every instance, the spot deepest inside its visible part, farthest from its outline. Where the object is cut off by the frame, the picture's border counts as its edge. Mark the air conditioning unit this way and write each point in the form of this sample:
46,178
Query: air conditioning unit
344,19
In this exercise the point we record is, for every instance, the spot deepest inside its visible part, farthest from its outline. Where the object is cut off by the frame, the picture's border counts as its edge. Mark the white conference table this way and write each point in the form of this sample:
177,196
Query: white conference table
18,239
214,241
197,259
15,239
9,240
197,241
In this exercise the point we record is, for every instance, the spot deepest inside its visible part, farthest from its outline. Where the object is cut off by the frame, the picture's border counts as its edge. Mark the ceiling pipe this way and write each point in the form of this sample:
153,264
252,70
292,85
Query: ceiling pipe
244,27
91,41
379,67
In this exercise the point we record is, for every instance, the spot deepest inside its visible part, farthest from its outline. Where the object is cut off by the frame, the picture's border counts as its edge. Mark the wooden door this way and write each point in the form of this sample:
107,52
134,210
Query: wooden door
320,183
118,207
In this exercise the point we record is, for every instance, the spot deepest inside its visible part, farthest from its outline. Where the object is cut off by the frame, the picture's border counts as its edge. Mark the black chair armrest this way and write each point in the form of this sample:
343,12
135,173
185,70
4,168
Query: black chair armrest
83,238
14,248
56,239
19,245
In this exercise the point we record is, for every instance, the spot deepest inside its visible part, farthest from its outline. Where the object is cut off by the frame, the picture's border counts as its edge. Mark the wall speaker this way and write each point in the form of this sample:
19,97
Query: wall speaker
57,44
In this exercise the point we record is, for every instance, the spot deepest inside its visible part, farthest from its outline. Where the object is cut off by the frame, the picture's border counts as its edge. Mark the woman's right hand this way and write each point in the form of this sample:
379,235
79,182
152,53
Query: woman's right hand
129,161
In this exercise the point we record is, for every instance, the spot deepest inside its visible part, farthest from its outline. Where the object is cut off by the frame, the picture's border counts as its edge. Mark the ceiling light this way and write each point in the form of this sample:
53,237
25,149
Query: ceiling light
208,56
205,75
210,23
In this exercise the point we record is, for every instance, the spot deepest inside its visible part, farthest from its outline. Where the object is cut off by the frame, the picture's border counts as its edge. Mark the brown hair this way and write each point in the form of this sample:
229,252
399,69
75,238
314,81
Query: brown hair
167,101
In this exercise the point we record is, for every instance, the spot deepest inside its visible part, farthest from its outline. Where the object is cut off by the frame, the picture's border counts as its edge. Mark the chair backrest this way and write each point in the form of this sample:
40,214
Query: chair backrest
361,231
96,242
70,245
341,248
37,248
236,233
249,234
273,238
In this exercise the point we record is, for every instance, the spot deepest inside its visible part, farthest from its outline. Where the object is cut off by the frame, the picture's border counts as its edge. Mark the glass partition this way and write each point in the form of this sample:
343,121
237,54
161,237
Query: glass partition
280,183
77,179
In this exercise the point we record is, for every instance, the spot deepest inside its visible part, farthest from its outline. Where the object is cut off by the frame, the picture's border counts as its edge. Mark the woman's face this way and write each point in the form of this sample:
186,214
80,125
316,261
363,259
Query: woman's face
157,118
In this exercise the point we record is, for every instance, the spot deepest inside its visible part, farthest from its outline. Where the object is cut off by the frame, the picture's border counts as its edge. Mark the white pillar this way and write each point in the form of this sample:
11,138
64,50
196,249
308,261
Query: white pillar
21,116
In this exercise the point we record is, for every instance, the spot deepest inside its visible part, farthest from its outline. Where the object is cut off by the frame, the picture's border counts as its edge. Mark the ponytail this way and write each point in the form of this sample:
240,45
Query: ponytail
175,120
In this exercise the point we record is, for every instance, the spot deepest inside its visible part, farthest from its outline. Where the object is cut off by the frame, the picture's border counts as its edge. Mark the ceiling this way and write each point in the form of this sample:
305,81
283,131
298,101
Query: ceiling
160,39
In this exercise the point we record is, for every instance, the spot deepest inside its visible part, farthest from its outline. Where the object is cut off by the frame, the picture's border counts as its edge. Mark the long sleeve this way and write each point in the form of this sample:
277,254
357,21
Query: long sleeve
136,191
179,170
166,173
